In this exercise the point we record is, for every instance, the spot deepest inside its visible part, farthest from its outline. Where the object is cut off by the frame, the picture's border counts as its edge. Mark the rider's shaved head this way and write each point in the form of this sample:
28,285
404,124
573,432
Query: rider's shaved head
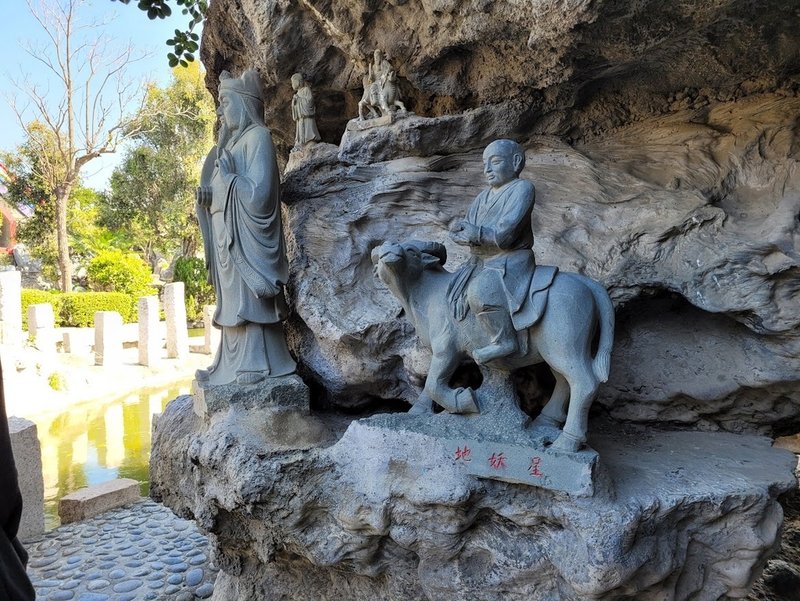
507,148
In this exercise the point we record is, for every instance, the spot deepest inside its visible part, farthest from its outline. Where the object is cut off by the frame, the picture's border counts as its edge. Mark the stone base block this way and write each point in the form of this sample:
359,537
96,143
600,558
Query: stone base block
381,511
28,459
285,391
94,500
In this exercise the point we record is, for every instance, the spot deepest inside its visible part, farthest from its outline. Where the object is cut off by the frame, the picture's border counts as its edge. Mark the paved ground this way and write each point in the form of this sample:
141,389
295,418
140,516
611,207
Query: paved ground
139,552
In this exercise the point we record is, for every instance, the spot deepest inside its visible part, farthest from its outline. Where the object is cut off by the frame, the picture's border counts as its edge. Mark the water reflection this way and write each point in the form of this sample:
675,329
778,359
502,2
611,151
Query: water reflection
91,443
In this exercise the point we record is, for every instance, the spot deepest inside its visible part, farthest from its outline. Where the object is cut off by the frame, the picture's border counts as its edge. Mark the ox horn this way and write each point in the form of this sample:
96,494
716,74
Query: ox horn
435,249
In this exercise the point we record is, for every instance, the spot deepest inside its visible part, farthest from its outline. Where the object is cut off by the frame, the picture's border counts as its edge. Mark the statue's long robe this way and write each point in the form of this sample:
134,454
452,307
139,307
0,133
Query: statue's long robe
303,112
246,258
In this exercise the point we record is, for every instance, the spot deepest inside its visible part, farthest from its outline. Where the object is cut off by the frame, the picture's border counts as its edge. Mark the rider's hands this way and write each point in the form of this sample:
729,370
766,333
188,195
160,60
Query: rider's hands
465,233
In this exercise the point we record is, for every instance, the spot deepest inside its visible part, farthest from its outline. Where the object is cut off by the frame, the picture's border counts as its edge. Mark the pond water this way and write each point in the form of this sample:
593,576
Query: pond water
90,443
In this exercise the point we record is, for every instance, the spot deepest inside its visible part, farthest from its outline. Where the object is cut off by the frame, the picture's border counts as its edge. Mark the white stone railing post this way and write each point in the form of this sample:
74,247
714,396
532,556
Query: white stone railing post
149,334
211,334
107,338
10,307
27,453
175,314
42,326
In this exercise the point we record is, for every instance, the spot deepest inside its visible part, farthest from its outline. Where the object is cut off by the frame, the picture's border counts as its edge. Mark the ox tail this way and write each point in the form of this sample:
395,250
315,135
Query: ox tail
605,309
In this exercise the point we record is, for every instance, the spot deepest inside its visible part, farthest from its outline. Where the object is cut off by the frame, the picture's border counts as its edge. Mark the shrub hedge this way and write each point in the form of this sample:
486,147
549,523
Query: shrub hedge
37,297
78,308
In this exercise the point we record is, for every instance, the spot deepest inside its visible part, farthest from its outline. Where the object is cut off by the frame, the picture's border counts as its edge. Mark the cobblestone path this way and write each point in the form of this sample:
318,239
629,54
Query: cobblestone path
139,552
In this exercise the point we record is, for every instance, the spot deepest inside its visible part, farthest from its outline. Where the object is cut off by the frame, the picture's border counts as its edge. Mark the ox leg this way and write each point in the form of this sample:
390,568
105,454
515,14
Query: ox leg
424,405
583,386
437,385
554,413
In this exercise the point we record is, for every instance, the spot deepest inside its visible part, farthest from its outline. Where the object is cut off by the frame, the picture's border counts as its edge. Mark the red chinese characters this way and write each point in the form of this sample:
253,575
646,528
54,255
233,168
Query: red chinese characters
534,470
463,454
497,461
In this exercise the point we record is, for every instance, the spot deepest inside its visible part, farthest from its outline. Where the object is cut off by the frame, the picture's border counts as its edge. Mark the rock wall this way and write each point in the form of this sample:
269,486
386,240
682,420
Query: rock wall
381,511
663,142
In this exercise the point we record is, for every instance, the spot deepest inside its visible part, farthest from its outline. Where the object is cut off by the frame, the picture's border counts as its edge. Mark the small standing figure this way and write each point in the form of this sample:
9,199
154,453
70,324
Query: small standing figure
238,207
303,112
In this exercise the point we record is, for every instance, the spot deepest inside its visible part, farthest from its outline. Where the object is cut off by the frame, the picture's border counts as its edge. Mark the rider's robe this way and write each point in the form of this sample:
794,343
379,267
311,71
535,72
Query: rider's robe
506,242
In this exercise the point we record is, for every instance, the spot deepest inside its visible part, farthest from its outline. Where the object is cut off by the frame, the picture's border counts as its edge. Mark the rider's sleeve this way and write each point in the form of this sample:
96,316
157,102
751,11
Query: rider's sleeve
508,227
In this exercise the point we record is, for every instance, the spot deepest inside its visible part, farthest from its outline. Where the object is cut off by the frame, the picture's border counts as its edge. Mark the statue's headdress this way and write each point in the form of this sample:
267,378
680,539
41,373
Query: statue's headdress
248,84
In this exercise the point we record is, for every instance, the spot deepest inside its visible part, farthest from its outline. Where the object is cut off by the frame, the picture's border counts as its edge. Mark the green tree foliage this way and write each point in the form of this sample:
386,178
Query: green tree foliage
86,107
192,272
114,270
151,198
185,43
29,191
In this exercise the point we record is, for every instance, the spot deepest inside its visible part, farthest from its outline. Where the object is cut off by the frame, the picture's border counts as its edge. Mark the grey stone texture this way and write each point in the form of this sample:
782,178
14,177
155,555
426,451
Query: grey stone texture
93,500
387,512
150,343
175,317
108,336
28,460
10,307
142,552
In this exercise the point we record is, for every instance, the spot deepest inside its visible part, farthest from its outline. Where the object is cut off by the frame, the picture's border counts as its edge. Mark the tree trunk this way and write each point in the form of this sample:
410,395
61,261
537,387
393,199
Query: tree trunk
64,261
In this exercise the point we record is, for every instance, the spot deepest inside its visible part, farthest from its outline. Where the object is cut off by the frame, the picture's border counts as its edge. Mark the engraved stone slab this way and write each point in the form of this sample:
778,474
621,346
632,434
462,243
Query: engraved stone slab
491,447
149,334
572,473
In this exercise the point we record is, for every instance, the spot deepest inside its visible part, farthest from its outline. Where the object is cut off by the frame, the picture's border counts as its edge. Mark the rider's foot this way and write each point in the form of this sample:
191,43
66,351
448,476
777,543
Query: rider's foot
496,350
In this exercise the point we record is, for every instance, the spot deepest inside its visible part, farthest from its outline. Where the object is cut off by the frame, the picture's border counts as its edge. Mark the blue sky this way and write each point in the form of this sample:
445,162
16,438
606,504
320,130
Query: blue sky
125,23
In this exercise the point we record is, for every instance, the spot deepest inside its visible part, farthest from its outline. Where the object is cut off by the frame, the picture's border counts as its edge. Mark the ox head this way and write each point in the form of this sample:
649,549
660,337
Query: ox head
400,263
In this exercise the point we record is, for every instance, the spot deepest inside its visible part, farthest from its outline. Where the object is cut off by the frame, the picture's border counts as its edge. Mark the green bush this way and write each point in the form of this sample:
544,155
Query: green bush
116,271
31,296
192,272
78,308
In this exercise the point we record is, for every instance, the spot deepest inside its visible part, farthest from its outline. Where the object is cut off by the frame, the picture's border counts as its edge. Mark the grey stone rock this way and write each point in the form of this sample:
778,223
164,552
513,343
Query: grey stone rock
194,577
204,591
386,513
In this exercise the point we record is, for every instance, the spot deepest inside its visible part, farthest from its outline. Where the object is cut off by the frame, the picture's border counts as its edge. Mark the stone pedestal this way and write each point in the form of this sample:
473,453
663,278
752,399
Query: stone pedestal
28,459
10,307
381,508
107,338
149,333
175,316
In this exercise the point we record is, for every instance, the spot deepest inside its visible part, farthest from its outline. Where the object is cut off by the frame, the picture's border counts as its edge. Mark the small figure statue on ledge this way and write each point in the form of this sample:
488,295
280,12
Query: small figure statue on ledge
502,310
303,112
381,92
238,207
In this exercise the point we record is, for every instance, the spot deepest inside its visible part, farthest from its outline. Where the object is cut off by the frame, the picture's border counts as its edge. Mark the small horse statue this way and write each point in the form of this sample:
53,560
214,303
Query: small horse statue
562,337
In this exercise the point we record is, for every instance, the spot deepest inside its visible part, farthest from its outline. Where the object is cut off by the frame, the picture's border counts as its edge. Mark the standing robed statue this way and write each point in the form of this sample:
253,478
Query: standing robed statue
238,207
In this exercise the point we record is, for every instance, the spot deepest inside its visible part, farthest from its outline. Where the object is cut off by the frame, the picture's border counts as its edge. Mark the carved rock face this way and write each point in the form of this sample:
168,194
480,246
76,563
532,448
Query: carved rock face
688,220
662,141
567,67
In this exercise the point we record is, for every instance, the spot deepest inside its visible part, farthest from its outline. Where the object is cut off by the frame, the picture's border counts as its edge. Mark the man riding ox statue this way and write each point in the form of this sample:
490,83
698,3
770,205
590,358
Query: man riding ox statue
381,92
500,309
